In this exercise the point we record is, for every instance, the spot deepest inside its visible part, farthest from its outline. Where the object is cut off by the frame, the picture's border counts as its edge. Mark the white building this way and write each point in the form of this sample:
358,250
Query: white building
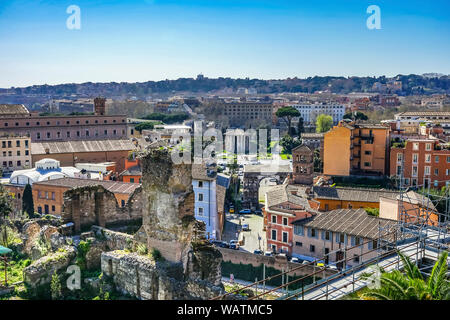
309,112
204,185
46,169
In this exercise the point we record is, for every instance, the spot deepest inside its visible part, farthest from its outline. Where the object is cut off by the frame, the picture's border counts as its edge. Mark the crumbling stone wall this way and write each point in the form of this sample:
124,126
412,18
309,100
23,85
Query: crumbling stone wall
40,272
147,279
94,205
168,205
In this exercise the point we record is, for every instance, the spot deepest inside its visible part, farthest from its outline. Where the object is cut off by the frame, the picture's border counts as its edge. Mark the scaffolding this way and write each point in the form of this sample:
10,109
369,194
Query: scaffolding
421,232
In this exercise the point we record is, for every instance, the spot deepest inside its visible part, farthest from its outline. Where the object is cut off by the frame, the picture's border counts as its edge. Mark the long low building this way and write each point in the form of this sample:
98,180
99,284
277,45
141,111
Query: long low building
48,195
71,152
345,236
351,198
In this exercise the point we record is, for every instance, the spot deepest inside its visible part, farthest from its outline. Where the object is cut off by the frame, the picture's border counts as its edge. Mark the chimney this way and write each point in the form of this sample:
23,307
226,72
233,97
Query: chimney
100,108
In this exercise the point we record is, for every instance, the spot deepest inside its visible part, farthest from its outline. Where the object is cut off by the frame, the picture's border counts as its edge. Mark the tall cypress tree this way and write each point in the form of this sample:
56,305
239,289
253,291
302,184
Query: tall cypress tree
27,201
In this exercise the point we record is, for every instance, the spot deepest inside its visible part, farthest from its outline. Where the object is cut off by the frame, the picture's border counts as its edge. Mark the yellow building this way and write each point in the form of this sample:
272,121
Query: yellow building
356,149
350,198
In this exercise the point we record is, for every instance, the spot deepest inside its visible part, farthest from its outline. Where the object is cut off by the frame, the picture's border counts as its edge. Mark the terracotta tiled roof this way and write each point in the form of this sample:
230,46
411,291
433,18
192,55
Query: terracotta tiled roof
352,194
7,109
81,146
72,183
351,222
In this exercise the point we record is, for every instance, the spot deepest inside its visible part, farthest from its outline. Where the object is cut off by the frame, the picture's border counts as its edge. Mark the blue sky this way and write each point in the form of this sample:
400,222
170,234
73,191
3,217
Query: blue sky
141,40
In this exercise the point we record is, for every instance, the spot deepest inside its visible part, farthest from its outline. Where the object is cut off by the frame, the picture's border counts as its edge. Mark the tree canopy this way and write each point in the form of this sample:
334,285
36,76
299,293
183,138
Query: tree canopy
358,115
287,113
323,123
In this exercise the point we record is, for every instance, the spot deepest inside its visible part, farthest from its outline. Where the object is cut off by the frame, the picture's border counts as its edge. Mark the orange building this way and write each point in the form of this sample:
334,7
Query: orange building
349,198
132,172
48,196
356,149
421,162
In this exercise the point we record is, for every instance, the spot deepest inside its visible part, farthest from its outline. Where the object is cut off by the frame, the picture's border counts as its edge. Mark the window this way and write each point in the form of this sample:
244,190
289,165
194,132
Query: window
428,146
53,208
415,146
274,234
356,258
123,203
48,135
327,235
414,171
200,184
367,152
132,180
428,158
298,244
17,143
436,172
68,134
285,237
274,218
200,212
285,221
18,153
298,230
53,196
200,197
427,170
367,164
312,248
448,159
436,159
312,233
415,158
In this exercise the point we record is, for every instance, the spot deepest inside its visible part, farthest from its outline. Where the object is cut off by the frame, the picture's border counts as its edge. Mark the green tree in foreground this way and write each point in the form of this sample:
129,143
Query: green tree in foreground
288,143
287,113
324,123
27,201
410,284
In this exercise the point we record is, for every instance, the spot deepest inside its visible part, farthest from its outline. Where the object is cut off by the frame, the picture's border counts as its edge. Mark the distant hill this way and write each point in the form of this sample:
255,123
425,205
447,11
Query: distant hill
411,84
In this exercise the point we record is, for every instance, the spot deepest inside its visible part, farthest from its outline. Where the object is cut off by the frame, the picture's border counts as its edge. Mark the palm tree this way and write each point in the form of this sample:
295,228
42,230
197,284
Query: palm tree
410,284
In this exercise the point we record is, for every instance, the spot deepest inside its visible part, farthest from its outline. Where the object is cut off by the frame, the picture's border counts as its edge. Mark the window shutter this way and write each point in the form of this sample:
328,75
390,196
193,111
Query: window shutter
338,237
353,241
369,245
309,232
323,235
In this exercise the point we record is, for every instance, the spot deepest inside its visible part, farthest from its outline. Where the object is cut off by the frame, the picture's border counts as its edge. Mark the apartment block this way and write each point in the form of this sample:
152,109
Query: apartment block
241,112
309,112
356,149
15,153
13,120
420,162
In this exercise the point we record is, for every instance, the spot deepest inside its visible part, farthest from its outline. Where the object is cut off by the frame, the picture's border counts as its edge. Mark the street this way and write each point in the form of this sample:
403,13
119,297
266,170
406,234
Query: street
254,239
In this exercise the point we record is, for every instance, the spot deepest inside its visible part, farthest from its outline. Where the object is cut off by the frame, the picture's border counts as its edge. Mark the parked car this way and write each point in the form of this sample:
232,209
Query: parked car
281,255
231,209
234,244
257,252
332,267
245,227
268,253
221,244
258,212
295,260
305,262
245,211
